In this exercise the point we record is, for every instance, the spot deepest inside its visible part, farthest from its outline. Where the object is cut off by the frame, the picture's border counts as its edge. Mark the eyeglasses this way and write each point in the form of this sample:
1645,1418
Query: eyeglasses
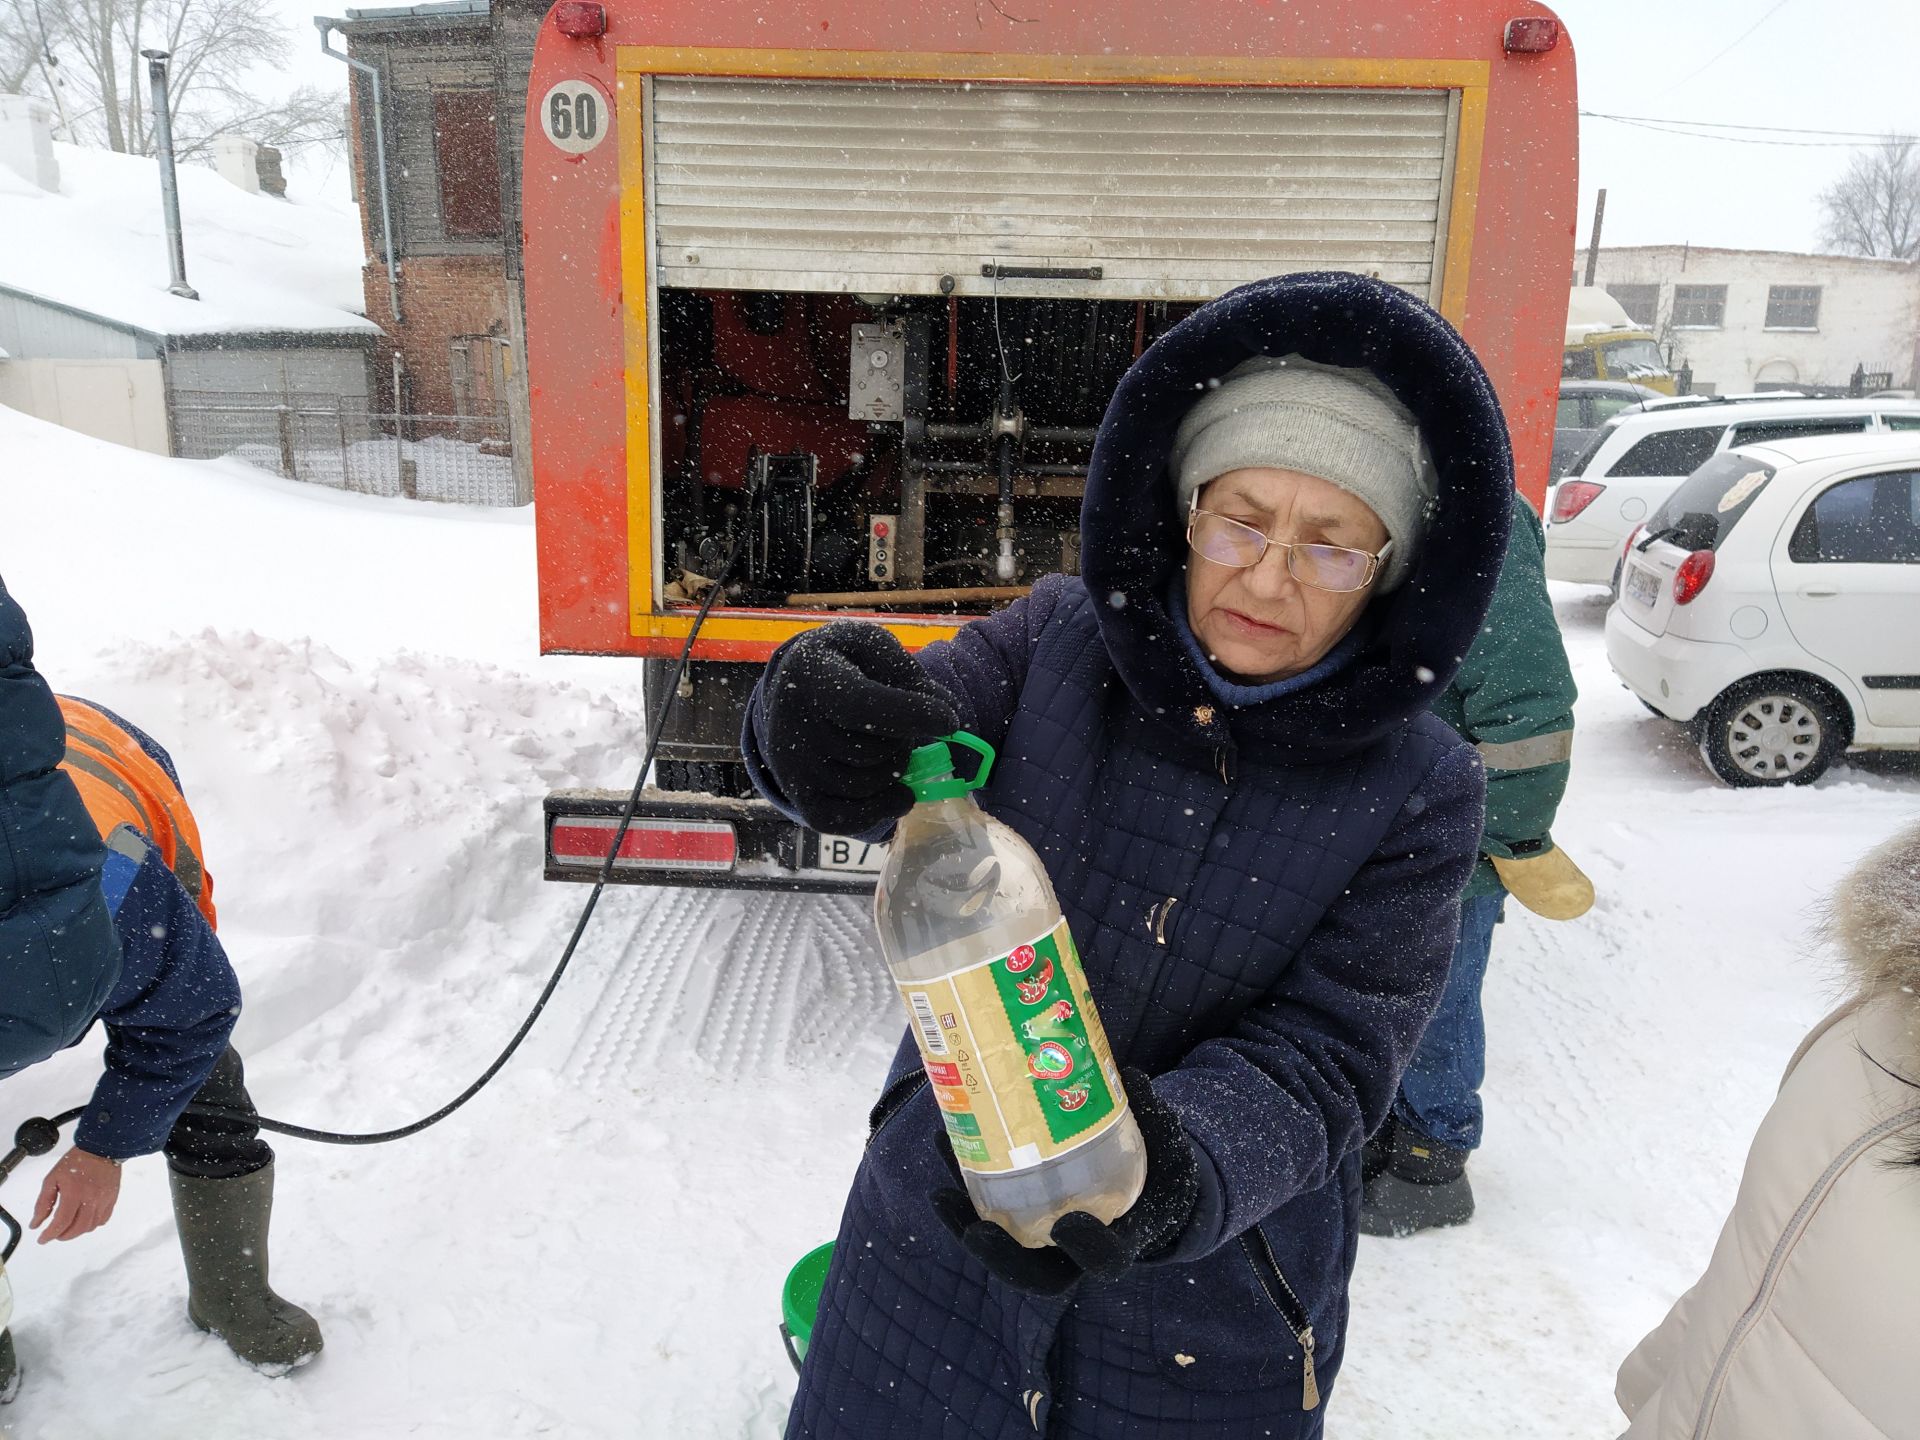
1241,546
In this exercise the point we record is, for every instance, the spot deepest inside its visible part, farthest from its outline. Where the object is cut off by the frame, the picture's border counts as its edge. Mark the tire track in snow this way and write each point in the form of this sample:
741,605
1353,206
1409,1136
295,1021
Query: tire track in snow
649,968
737,984
745,1021
845,994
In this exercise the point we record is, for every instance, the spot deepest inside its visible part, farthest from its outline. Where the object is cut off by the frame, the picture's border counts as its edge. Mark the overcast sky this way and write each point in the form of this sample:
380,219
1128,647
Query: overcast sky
1809,64
1851,65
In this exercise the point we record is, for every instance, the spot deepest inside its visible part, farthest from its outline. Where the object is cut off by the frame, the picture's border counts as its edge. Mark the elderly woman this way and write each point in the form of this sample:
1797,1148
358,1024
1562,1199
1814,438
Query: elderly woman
1217,740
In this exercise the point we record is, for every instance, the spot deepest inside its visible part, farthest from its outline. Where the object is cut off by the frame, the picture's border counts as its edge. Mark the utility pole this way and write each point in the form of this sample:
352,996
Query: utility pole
169,187
1593,240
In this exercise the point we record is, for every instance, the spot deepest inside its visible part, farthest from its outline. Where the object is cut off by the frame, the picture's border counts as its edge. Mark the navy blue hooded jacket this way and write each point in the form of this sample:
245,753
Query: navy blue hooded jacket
59,956
91,932
1265,897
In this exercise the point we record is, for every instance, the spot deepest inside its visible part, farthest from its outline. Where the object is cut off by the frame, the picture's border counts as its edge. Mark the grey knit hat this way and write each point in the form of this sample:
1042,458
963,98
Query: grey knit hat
1344,425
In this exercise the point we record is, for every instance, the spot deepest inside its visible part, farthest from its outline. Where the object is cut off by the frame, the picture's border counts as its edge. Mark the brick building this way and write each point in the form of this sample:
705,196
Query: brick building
443,131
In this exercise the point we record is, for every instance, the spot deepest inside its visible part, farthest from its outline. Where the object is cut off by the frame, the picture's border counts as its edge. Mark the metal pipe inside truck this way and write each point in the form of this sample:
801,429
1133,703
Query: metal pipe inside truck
851,285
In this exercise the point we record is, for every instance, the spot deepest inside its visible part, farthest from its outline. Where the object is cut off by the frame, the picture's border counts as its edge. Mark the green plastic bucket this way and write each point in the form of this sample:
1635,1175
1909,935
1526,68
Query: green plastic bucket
800,1301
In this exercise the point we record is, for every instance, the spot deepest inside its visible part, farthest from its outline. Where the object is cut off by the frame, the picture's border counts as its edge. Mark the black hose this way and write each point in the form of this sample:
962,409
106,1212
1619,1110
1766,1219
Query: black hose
37,1136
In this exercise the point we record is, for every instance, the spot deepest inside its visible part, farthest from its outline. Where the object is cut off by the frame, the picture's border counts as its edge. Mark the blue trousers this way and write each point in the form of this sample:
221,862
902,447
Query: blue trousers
1440,1093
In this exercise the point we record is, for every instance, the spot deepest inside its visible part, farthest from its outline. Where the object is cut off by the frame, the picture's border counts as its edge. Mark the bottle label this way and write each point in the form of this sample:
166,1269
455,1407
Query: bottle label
1019,1062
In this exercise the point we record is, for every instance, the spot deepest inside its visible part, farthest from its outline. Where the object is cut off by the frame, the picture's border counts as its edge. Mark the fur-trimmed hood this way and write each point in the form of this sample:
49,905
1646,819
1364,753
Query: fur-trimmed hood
1411,640
1874,917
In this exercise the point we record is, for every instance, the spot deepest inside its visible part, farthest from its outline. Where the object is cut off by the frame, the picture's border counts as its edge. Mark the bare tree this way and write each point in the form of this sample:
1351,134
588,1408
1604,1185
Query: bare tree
27,61
307,116
225,55
1874,208
19,47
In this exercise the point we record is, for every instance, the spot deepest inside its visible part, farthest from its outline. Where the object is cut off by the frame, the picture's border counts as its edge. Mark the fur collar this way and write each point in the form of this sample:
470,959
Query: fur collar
1874,918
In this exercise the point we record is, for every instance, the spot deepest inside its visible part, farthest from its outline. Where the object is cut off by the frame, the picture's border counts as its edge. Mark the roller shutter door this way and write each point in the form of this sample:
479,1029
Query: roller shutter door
1173,193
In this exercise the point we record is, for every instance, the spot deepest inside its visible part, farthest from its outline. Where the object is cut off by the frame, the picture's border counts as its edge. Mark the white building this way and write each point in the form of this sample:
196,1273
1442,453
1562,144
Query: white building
92,338
1766,319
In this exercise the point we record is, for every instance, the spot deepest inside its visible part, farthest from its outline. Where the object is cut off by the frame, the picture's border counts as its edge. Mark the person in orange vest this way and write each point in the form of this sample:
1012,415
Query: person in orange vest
169,1005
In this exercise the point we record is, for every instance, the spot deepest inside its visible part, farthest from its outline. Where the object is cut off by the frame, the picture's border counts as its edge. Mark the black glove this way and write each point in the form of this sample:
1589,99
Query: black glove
1083,1245
842,709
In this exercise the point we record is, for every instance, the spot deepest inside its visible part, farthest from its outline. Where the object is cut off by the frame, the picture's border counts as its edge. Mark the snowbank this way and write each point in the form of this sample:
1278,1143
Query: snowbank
593,1250
225,544
100,246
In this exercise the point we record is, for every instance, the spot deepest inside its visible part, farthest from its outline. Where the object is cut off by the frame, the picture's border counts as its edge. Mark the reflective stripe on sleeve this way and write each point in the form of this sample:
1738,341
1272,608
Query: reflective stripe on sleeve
1528,754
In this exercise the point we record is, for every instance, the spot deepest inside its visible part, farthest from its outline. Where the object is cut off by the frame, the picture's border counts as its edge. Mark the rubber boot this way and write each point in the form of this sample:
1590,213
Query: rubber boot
9,1368
223,1235
1422,1186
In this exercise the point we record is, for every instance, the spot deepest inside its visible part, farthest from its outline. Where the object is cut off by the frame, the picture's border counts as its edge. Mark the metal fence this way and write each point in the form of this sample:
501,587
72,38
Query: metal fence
335,440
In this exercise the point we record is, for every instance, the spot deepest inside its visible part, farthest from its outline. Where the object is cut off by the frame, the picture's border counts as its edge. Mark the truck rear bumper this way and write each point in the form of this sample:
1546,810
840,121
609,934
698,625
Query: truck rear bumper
689,839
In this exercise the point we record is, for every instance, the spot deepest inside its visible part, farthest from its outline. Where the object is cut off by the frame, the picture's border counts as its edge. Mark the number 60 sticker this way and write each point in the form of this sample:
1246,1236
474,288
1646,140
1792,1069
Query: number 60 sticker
574,116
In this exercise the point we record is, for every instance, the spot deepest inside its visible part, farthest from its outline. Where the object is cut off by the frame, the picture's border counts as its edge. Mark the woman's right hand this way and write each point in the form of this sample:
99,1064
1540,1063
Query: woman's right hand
78,1195
842,709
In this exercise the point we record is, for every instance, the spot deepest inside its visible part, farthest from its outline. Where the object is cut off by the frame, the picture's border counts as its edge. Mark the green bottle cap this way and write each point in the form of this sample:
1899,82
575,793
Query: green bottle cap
930,770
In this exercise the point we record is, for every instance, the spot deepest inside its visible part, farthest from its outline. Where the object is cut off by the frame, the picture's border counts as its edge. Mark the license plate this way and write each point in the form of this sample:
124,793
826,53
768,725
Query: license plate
843,852
1643,587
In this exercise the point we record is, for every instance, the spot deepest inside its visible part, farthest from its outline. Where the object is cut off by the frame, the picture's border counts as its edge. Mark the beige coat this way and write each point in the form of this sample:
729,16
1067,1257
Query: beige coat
1806,1325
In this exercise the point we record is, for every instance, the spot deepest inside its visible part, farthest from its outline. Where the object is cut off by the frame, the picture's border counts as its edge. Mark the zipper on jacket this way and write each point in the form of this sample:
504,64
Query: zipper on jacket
1223,759
891,1099
1770,1278
1294,1314
1157,916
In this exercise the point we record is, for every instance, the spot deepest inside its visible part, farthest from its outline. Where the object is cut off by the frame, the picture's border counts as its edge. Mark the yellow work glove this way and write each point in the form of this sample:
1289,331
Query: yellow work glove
1549,884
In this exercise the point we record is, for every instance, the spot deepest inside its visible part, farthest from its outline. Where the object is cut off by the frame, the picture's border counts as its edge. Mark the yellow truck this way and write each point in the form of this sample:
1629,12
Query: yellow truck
1603,343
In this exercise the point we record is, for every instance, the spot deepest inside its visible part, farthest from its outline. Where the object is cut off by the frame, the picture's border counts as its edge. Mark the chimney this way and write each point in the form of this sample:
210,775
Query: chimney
255,168
236,159
26,140
273,179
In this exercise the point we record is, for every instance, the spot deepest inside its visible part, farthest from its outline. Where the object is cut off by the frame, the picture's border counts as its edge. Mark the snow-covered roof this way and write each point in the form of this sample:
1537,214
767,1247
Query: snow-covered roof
411,19
99,247
1592,311
1824,256
433,10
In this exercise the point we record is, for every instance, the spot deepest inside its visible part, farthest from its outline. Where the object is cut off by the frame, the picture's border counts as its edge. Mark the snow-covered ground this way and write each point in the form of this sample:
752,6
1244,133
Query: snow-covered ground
594,1248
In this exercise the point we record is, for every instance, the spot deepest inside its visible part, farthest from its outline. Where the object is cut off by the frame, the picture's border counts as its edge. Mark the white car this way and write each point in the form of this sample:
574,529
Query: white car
1640,457
1772,603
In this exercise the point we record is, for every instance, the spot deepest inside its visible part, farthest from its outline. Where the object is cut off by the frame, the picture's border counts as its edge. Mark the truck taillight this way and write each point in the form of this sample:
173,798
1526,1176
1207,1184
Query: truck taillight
580,19
582,840
1692,576
1534,35
1570,497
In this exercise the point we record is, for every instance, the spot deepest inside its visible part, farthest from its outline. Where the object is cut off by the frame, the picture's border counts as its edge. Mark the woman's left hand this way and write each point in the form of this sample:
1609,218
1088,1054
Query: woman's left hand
1082,1245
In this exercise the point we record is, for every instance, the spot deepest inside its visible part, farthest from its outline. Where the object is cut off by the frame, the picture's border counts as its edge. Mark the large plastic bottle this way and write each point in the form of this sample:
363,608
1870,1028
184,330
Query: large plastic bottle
1008,1034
